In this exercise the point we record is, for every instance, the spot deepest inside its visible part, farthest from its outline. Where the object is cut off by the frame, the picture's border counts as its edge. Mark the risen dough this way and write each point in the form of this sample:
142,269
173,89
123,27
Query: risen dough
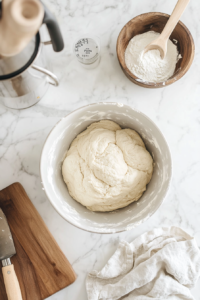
107,167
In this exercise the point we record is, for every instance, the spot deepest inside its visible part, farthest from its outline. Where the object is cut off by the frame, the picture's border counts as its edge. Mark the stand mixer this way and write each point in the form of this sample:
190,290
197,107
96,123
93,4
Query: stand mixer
24,78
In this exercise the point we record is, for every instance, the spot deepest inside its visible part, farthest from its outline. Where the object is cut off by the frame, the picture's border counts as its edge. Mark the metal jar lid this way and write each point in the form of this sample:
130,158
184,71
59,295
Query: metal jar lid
86,50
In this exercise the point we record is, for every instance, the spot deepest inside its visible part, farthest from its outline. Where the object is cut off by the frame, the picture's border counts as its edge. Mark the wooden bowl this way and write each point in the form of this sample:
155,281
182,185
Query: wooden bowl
156,22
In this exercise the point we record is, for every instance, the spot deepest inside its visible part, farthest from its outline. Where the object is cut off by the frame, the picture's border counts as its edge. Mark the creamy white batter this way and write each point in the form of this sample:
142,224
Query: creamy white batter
150,67
107,167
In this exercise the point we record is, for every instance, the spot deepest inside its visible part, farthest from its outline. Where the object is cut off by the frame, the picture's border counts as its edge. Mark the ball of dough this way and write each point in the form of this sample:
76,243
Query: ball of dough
107,167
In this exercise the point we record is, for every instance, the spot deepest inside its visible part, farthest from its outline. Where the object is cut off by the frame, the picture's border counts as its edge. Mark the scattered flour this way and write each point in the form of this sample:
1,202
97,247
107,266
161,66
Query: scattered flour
150,67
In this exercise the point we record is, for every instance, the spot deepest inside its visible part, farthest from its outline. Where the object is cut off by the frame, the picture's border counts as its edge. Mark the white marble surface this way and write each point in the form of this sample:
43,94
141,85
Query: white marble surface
175,109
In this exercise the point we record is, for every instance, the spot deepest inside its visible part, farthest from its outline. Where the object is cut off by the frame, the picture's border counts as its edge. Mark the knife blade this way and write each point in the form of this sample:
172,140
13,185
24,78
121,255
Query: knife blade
7,250
7,247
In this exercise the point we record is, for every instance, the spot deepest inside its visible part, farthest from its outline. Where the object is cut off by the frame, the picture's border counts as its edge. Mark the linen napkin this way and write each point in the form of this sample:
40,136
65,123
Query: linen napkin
160,264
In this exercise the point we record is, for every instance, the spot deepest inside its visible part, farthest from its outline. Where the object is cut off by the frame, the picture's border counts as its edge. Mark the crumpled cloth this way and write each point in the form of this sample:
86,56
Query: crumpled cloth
160,264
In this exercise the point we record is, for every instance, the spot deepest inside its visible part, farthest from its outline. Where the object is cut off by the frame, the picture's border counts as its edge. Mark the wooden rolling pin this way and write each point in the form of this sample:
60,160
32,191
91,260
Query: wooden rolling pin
20,21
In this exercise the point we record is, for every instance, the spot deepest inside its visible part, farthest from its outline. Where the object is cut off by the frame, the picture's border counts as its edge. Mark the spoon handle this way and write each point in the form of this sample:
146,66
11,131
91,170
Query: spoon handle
174,18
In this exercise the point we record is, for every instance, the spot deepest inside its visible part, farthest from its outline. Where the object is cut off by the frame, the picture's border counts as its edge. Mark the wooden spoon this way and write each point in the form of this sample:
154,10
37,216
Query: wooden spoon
161,42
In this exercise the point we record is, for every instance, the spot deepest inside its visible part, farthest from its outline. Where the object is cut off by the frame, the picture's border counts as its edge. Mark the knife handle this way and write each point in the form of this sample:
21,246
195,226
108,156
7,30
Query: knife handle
11,283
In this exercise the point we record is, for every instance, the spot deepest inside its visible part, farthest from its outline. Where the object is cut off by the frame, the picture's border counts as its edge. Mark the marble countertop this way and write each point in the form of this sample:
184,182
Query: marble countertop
175,109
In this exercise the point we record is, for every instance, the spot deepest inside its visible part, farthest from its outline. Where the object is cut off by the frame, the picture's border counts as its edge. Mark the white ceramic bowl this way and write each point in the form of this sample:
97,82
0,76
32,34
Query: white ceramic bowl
58,143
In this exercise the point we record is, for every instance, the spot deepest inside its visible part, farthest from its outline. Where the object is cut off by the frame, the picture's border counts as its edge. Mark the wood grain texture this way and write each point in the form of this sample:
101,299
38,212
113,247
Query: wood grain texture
160,43
41,267
11,283
156,22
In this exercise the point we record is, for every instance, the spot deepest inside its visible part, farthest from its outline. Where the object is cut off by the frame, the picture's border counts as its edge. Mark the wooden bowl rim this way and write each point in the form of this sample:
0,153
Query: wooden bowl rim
169,81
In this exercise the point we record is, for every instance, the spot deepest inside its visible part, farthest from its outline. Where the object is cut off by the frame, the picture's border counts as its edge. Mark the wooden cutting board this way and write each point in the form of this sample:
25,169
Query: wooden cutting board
41,267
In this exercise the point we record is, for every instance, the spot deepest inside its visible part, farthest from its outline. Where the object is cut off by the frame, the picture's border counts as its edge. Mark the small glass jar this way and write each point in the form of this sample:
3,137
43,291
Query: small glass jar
87,51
